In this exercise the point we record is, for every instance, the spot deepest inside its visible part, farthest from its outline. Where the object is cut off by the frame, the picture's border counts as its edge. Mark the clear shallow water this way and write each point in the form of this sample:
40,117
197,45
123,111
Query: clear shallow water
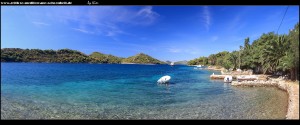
103,91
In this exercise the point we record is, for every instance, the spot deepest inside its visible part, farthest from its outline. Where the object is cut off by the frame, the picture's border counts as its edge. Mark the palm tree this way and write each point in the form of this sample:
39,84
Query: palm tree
273,52
241,49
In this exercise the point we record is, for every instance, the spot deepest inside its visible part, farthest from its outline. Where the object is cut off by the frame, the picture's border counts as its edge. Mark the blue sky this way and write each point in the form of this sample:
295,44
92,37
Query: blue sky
165,32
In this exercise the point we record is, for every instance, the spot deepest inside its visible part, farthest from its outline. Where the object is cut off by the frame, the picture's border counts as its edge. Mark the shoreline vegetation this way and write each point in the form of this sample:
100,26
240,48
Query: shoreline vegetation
71,56
271,60
270,54
74,56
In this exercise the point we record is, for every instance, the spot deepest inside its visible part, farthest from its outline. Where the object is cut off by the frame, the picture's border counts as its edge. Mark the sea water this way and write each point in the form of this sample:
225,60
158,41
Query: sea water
129,91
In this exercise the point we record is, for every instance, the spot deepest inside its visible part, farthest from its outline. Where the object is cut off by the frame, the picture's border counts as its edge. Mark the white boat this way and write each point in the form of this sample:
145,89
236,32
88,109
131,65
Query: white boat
228,79
164,79
172,63
199,66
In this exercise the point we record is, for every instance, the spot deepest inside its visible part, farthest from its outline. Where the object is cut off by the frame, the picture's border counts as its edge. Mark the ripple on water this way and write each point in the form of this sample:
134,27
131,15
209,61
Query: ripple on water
86,91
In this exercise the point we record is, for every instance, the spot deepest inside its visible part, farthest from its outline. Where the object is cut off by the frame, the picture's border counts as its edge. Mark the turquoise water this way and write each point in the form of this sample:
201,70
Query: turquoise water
112,91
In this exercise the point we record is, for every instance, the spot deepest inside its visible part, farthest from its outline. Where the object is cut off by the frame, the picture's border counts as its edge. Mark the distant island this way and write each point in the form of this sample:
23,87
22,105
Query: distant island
142,58
71,56
184,62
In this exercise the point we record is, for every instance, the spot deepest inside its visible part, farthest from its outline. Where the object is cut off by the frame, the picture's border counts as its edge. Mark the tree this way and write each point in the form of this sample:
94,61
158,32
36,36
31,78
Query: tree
234,59
212,59
272,53
293,54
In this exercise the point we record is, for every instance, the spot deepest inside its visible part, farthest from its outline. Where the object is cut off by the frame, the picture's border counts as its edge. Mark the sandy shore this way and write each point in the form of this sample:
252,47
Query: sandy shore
292,89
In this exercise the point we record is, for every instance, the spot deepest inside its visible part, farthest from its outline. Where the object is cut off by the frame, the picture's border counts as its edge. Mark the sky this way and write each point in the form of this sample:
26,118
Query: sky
172,33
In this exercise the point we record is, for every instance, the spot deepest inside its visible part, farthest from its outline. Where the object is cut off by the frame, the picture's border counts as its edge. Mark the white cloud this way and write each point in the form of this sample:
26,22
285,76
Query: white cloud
188,50
9,9
113,30
206,17
174,50
40,23
147,15
82,30
235,24
103,20
238,22
192,51
214,38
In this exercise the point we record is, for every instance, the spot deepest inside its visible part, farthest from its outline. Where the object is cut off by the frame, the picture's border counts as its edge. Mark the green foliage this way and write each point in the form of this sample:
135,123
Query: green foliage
142,58
227,65
245,55
233,58
269,54
293,52
97,57
69,56
212,59
198,61
222,58
66,56
184,62
273,51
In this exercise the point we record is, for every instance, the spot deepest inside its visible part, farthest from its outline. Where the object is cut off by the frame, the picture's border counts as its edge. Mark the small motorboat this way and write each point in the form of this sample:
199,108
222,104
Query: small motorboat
163,80
228,79
172,64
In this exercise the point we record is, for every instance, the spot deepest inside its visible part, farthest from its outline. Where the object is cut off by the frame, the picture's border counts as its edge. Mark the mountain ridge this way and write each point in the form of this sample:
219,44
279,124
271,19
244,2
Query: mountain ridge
71,56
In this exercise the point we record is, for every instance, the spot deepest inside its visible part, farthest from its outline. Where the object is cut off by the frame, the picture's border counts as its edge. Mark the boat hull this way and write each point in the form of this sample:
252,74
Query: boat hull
228,79
164,79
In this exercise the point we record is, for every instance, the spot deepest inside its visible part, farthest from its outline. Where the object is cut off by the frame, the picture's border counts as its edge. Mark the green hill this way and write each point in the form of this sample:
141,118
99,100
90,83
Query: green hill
184,62
104,58
70,56
142,58
37,55
168,62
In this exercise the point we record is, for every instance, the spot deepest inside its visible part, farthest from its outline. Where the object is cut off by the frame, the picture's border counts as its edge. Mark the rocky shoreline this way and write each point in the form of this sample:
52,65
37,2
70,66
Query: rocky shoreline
292,88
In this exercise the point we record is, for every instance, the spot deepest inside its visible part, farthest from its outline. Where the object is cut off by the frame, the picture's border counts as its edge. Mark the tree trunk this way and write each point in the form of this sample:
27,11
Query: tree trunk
296,73
292,74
